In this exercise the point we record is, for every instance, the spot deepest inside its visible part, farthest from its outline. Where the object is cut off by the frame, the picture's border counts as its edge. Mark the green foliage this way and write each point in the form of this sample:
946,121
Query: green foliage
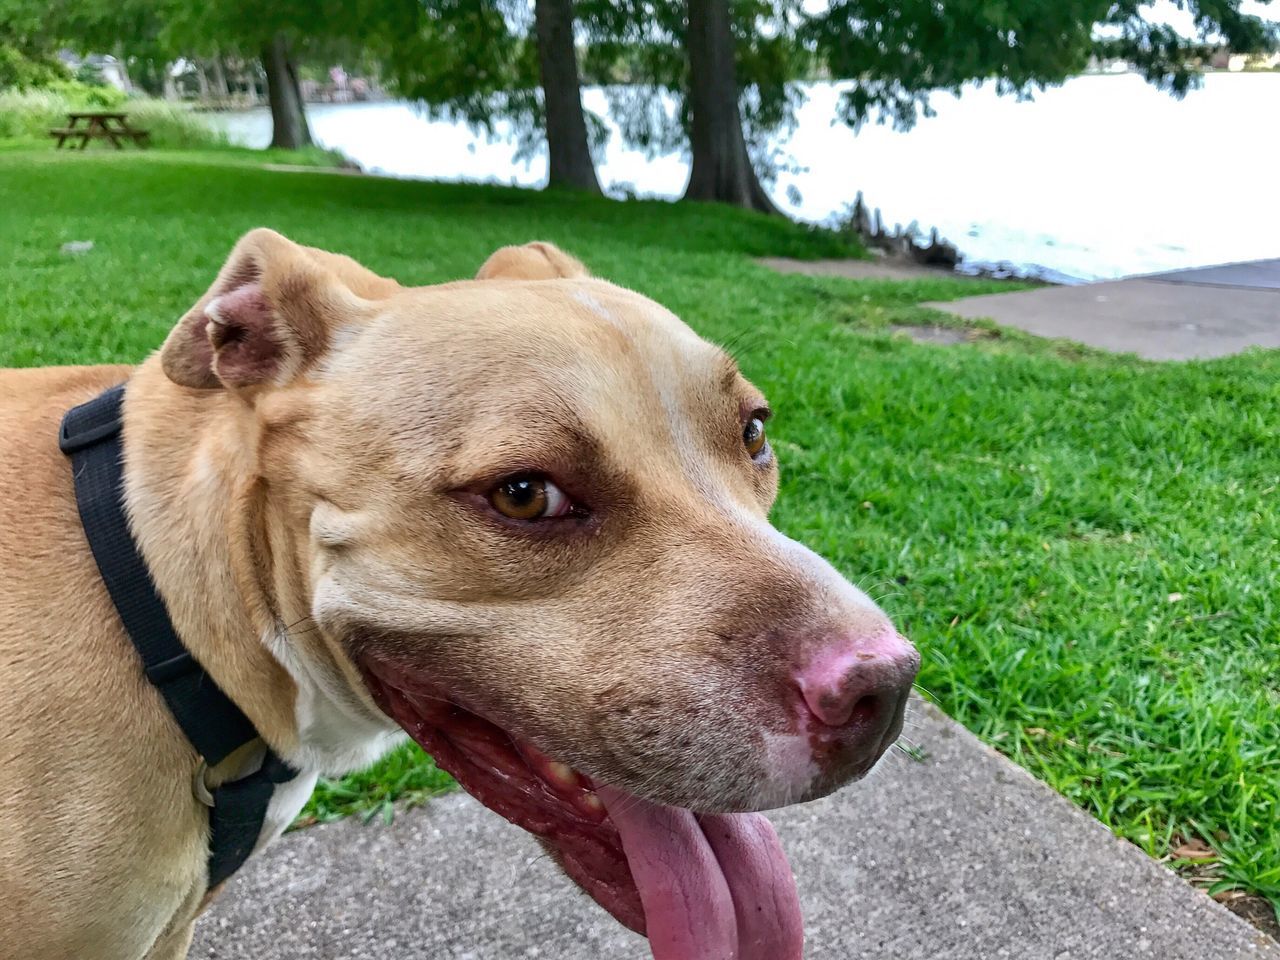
78,94
23,71
469,61
898,53
477,62
640,44
1030,512
31,115
1171,61
173,126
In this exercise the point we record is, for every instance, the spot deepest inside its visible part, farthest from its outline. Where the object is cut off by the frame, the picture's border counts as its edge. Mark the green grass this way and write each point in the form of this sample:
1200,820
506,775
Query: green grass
405,777
1083,546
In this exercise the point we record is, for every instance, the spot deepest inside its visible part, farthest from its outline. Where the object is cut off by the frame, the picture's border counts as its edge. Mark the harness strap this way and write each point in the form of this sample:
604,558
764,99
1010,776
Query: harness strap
91,437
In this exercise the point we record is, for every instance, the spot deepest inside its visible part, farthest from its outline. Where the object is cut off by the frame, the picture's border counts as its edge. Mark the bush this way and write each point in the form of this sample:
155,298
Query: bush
173,125
26,72
87,95
31,114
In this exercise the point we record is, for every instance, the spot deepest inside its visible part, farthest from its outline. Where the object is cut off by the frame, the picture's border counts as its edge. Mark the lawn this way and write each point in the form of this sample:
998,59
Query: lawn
1083,546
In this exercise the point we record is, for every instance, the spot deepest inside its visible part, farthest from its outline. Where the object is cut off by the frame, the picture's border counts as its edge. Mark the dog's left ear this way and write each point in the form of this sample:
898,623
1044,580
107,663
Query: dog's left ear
269,315
533,261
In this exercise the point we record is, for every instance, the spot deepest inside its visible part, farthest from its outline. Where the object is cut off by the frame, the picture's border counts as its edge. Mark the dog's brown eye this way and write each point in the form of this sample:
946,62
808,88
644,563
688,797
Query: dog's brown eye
529,498
753,436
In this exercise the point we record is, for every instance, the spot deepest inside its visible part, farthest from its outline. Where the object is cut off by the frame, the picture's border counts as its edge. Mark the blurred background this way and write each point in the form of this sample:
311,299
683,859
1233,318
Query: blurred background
1068,142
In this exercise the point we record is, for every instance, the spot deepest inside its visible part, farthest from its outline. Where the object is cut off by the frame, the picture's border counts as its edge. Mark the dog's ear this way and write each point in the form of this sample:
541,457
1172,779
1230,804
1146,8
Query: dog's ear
533,261
269,315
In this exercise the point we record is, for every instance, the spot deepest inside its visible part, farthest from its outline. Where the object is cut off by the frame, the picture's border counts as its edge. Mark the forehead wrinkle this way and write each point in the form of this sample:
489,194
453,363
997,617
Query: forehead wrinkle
689,378
490,374
676,382
730,375
530,416
557,442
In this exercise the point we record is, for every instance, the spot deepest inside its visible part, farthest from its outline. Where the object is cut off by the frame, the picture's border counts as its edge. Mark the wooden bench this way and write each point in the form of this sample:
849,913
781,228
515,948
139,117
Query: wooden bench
99,126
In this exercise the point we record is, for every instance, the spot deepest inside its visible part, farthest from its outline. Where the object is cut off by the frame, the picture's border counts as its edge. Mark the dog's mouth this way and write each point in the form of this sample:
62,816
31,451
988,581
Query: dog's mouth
700,886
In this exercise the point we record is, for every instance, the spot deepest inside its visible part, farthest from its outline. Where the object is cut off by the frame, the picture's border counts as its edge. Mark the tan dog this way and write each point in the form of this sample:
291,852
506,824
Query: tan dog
521,519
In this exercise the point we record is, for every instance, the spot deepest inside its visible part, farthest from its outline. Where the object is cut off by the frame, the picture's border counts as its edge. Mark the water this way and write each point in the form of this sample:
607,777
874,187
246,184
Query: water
1102,177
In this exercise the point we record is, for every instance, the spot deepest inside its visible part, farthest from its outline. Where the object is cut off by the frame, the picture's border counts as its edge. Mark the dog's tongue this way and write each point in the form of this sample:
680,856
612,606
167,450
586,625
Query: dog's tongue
713,887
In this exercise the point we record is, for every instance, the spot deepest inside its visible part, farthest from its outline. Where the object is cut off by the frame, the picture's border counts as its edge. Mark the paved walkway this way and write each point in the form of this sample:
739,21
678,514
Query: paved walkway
960,857
1184,315
875,268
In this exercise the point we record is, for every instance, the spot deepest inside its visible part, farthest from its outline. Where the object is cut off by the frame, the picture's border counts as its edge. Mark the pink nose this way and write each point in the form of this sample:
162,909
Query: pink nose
858,680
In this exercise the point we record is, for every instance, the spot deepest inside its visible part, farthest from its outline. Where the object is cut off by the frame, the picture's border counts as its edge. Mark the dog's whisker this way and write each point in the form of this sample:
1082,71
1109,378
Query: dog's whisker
926,693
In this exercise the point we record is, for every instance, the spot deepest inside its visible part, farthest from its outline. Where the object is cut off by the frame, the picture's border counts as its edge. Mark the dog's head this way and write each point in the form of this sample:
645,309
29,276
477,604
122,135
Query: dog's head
528,513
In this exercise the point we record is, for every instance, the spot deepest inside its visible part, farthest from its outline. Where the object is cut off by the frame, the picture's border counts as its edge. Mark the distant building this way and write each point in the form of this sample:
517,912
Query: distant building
1109,65
97,66
1239,62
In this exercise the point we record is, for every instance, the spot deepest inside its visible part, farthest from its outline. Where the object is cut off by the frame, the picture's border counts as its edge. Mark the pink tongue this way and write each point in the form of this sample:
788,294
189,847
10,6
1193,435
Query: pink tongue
713,887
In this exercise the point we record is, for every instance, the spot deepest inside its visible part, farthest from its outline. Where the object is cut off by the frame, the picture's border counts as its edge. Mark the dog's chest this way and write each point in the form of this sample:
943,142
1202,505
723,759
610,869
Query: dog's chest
286,803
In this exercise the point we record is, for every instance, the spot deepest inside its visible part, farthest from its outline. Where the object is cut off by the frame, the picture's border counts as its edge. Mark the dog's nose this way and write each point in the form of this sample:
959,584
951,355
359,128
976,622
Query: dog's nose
857,680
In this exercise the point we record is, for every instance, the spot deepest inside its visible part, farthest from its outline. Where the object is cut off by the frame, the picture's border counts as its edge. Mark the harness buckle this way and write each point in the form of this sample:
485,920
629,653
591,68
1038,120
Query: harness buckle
200,785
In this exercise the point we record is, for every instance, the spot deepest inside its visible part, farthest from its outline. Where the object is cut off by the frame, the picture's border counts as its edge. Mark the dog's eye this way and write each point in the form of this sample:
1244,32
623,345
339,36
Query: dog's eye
530,498
753,436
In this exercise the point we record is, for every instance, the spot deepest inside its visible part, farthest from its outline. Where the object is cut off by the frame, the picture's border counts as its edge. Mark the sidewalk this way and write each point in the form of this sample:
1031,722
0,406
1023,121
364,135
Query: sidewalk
960,857
1183,315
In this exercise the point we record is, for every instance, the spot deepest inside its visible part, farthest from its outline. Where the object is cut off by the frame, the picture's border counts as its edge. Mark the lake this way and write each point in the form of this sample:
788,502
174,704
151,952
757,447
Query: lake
1102,177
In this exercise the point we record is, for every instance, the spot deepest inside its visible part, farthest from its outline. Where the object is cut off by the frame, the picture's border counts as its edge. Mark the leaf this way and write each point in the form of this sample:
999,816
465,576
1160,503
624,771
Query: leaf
1193,850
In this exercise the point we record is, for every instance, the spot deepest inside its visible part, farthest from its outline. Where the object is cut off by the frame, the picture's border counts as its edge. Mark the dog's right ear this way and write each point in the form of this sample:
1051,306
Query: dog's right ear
533,261
267,317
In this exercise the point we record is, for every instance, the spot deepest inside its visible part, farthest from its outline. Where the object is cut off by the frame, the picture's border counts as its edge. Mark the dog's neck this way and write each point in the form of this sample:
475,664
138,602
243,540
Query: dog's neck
226,562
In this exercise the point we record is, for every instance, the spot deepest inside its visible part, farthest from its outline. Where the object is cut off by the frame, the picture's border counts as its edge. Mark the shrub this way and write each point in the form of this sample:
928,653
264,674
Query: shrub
88,95
26,72
173,125
29,115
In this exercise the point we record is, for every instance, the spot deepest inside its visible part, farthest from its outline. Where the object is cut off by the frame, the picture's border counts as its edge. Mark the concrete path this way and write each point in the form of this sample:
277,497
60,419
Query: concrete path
1185,315
876,268
960,857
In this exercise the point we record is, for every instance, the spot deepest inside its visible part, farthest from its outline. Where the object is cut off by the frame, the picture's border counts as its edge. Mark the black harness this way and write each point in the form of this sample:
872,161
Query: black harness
216,727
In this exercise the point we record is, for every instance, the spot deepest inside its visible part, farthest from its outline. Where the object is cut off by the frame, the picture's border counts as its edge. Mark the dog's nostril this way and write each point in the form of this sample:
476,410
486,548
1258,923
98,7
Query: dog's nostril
865,709
855,682
843,708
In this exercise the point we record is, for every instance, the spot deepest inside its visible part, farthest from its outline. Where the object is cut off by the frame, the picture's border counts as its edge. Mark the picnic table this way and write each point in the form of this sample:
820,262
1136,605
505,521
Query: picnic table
99,125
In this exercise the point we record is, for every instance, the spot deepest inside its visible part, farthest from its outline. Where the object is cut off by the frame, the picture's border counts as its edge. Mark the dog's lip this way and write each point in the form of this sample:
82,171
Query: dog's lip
516,780
698,885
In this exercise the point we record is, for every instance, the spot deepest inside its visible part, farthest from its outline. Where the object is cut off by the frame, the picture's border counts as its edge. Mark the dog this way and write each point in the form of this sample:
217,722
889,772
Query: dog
521,519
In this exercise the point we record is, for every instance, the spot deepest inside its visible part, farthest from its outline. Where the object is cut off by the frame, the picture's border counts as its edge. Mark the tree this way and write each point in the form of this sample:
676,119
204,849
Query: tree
901,51
270,32
485,62
289,129
566,126
159,31
896,53
726,66
721,169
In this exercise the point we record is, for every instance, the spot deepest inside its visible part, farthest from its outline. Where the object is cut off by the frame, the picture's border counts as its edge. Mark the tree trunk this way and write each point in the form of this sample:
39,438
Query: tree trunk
571,164
288,120
170,85
150,79
721,168
124,67
219,78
